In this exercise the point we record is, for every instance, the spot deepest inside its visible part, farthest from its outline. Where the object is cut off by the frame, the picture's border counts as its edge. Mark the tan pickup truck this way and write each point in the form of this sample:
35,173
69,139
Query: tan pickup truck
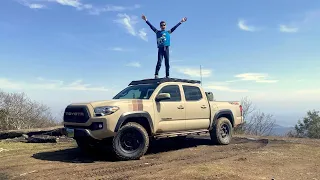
150,109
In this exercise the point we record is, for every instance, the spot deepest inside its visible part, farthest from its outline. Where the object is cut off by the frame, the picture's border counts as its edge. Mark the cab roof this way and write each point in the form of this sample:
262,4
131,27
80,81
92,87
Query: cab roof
163,80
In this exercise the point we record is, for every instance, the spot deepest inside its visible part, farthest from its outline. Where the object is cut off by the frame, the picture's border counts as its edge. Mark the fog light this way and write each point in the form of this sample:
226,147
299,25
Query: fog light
96,126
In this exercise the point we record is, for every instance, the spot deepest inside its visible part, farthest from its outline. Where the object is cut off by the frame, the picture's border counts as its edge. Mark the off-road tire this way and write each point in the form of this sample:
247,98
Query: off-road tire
138,134
217,133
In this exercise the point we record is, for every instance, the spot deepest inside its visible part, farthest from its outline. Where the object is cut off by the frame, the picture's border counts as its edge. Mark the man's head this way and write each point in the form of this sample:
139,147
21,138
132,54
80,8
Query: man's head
163,25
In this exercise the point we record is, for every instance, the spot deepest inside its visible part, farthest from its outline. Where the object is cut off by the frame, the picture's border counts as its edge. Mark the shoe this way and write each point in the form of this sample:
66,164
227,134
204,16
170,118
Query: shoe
167,76
156,76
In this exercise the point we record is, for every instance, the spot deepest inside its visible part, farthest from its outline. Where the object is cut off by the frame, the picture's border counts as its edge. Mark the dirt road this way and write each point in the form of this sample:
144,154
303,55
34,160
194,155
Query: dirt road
192,158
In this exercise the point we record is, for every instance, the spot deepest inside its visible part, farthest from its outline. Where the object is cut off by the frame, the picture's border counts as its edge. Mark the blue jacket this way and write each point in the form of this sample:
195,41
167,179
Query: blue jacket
163,36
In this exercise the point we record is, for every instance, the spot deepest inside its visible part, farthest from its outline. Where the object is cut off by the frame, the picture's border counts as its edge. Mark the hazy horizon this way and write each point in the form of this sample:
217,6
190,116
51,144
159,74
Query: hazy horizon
59,52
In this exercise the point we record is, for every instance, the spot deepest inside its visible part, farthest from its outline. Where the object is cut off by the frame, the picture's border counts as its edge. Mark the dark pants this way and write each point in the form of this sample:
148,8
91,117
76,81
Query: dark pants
163,52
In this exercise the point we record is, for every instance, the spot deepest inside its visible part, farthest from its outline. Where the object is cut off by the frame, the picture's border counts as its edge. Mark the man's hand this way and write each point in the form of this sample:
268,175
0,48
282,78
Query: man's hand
144,17
184,19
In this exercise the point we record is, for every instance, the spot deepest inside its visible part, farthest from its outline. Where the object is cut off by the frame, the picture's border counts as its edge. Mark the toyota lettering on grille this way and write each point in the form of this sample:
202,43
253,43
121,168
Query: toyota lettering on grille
74,113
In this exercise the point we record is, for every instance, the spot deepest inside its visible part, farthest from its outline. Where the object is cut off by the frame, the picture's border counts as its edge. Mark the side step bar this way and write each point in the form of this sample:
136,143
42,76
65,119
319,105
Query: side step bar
181,133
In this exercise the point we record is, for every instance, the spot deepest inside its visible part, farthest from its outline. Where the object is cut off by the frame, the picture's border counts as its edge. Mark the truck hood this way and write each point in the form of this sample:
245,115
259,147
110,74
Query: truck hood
104,102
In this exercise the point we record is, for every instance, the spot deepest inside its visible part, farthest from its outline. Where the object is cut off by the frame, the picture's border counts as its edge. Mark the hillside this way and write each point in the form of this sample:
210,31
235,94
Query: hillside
279,130
193,158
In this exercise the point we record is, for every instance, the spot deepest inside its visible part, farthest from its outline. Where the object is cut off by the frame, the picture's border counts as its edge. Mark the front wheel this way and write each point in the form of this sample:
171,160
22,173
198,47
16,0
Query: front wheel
222,132
131,142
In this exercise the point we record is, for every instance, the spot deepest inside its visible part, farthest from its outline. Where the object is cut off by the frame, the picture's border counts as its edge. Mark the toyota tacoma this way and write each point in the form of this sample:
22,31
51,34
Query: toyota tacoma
151,109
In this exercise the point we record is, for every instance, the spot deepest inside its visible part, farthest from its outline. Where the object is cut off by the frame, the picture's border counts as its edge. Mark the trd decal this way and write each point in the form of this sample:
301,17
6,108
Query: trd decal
136,105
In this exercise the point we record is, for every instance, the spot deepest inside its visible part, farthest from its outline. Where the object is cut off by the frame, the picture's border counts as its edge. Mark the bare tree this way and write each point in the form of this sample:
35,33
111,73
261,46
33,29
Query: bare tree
247,107
260,124
255,122
17,111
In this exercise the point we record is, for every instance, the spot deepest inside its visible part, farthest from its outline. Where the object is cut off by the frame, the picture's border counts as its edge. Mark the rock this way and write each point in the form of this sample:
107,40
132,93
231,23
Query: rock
41,139
25,136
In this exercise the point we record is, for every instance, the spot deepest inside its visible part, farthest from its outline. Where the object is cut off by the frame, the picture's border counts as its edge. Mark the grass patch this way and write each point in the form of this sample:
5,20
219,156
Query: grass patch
13,147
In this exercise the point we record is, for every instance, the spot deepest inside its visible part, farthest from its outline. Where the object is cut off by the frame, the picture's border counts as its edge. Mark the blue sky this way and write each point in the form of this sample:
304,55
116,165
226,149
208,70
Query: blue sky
63,51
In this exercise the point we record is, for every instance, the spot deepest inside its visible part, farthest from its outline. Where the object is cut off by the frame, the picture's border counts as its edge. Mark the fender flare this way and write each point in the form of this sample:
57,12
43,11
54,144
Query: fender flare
222,113
135,114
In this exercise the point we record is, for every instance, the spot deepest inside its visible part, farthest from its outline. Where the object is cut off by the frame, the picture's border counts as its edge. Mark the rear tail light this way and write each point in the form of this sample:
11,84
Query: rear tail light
240,109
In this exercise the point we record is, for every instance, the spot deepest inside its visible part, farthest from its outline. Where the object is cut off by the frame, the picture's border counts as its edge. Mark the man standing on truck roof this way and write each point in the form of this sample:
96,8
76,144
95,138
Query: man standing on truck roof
163,43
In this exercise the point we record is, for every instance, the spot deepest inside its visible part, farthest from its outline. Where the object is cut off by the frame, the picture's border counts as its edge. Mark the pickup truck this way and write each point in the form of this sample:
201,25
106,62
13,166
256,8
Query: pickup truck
149,109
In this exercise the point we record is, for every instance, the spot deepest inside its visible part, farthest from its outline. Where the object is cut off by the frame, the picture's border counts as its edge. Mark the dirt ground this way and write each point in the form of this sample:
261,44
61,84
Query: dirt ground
192,158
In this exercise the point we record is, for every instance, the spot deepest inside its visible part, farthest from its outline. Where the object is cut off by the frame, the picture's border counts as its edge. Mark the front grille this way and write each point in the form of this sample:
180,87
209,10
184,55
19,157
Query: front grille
76,114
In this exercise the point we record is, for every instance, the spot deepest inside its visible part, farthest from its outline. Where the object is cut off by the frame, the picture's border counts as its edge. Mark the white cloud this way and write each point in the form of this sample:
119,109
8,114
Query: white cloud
142,34
116,49
32,5
221,86
243,26
224,88
306,21
308,91
298,95
121,8
73,3
129,23
173,60
256,77
112,8
134,64
286,29
120,49
193,72
46,84
79,5
36,6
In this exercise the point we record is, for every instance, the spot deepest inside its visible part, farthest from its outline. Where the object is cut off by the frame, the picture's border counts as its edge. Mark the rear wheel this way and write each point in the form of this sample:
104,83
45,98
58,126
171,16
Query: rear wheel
131,142
222,132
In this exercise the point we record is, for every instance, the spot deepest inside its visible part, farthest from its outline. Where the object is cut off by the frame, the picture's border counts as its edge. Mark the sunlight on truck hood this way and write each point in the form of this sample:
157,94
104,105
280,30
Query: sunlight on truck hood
104,103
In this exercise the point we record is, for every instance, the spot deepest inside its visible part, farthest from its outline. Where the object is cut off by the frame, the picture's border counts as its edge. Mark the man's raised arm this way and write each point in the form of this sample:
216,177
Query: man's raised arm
150,25
175,27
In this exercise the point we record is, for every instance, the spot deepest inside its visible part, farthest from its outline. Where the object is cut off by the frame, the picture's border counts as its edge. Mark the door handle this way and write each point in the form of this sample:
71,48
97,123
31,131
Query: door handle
180,107
203,106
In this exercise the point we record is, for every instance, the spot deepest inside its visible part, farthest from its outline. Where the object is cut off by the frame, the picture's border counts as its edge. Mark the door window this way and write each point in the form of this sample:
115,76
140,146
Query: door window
174,92
192,93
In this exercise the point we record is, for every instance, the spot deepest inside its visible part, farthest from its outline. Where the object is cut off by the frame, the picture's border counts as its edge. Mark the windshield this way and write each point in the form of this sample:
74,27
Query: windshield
142,91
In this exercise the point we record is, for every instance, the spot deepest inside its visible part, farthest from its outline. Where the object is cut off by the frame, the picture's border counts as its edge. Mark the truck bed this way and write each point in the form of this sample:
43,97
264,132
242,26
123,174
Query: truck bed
234,106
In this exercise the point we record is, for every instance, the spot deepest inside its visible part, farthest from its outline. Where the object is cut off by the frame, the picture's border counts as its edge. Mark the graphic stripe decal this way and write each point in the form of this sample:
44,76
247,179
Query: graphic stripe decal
136,105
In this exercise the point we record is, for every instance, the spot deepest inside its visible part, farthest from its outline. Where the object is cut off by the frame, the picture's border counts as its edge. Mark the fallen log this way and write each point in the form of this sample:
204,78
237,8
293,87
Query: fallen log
41,139
52,131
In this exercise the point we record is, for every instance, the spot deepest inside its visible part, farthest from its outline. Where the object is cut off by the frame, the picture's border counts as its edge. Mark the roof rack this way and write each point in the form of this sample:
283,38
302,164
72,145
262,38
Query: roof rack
162,80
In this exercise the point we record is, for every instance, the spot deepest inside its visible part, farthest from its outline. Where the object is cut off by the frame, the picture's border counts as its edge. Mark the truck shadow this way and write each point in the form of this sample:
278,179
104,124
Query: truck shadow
75,155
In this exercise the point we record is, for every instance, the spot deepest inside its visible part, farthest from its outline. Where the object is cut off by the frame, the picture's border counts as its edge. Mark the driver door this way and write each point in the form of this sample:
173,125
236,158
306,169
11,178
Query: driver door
171,113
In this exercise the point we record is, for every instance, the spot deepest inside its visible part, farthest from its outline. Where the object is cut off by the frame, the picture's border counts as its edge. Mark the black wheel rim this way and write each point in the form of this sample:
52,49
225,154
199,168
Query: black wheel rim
131,140
224,131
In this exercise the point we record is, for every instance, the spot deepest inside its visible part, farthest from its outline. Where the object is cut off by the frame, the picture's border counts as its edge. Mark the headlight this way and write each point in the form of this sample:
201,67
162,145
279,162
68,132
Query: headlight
105,110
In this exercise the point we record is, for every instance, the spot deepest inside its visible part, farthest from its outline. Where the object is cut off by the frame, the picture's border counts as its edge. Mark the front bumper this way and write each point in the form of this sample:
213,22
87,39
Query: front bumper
96,130
80,133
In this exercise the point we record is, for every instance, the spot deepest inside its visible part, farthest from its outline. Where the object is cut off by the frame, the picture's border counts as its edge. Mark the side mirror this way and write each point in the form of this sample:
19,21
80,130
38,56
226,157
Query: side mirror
163,96
210,96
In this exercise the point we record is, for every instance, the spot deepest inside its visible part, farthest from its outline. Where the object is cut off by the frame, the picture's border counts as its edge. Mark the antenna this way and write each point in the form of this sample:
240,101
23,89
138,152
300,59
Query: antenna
201,74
